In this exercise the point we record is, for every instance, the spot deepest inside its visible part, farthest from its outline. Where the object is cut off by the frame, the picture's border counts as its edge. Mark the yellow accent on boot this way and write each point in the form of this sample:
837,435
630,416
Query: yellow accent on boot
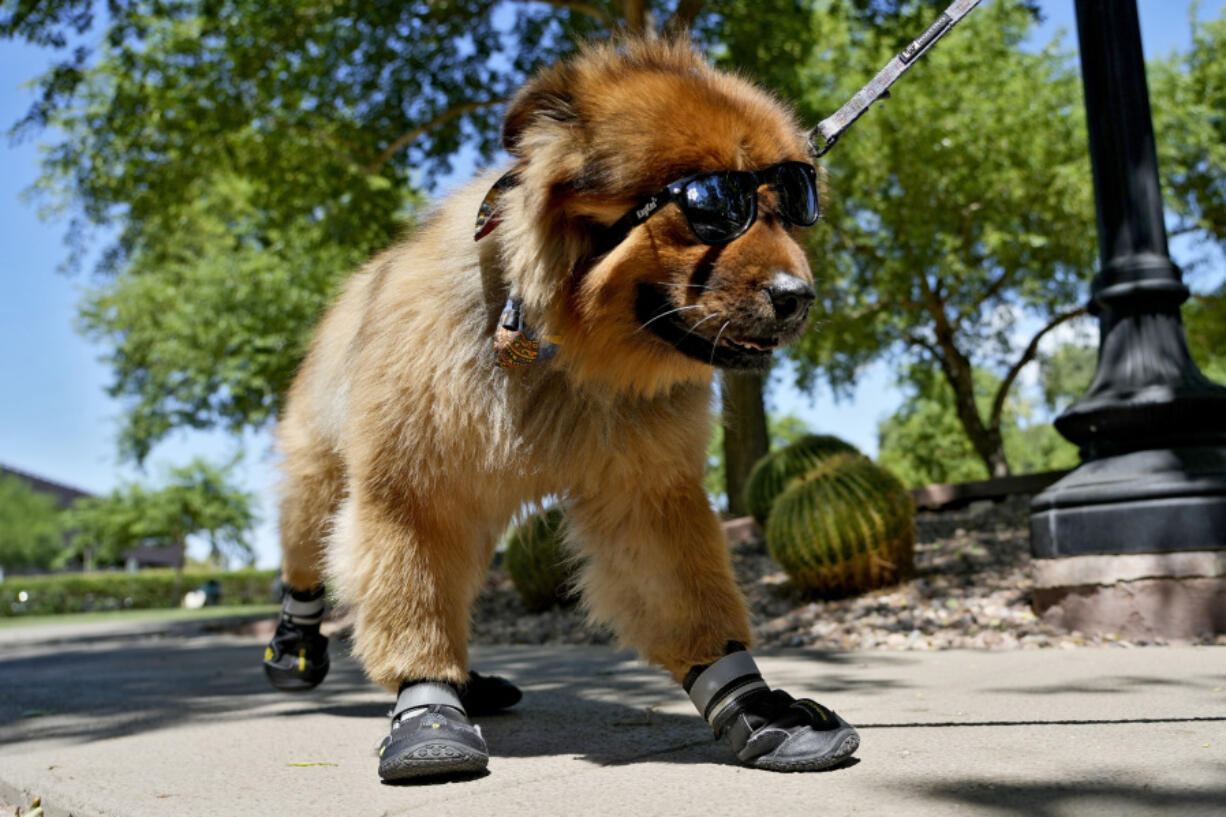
268,653
302,660
813,707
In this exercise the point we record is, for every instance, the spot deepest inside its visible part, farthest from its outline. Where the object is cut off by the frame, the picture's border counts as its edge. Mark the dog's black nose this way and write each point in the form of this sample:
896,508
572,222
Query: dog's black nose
790,296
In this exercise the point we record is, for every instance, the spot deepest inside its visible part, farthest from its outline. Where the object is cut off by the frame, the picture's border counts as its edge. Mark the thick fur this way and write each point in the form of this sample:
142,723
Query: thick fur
407,450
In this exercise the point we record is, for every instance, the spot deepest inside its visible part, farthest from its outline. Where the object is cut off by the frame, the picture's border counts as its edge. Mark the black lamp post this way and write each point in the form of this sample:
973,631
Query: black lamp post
1151,426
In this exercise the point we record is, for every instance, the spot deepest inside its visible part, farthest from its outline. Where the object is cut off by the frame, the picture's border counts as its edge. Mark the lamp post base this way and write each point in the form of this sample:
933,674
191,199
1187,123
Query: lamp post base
1155,501
1135,545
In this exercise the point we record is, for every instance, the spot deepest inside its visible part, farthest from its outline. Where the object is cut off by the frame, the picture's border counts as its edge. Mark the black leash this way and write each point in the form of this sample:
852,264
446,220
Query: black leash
831,128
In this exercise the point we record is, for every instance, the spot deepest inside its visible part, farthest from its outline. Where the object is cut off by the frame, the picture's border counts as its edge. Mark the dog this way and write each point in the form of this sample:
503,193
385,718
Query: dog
553,329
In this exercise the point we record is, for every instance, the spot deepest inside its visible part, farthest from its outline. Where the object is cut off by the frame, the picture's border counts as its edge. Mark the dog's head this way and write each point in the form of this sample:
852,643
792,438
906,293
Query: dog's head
614,245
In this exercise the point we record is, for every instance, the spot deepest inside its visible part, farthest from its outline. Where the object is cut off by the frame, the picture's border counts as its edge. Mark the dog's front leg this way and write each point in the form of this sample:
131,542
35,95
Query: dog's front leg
410,565
659,572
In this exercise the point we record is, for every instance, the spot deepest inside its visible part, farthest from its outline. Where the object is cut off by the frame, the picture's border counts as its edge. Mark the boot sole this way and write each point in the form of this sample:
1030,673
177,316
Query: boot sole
434,759
844,749
293,680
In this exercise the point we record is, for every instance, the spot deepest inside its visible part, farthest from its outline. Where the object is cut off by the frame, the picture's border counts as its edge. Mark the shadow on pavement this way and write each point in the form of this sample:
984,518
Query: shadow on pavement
99,690
1060,799
595,703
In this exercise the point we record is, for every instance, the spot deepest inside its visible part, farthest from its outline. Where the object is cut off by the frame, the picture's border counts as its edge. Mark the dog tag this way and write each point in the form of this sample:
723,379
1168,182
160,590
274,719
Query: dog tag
515,345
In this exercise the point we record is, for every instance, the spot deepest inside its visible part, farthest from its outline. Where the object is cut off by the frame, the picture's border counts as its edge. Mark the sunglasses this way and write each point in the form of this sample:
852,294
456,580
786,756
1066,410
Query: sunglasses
720,206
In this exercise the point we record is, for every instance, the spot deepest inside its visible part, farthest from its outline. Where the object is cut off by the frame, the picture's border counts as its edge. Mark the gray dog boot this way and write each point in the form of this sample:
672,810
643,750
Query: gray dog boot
431,735
767,729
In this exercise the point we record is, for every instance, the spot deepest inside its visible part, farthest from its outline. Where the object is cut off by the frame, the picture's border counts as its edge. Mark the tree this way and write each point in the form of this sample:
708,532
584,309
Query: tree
31,529
1189,96
960,214
924,443
196,499
250,154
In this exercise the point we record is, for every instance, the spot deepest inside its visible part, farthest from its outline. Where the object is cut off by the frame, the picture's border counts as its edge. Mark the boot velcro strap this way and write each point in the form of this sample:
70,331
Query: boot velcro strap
426,693
731,677
303,612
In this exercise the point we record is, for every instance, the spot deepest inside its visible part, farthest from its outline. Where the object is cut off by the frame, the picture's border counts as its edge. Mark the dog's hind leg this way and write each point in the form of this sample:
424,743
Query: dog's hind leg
658,570
410,567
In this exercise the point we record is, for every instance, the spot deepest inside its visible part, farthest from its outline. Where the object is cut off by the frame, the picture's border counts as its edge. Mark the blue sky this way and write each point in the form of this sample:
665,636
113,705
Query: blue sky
57,421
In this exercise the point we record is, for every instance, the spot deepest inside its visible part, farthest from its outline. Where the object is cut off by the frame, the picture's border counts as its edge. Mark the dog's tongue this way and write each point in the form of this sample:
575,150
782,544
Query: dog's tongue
746,343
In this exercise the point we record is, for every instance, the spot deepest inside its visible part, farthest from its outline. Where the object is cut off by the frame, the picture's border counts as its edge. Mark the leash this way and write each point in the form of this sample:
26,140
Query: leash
832,127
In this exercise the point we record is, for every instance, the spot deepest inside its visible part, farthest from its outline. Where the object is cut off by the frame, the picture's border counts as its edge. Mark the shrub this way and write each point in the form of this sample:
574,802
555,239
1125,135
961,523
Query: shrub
84,592
539,563
772,474
846,527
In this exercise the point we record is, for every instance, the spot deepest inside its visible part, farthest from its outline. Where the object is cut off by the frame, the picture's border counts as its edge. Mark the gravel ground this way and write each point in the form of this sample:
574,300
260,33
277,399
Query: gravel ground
971,590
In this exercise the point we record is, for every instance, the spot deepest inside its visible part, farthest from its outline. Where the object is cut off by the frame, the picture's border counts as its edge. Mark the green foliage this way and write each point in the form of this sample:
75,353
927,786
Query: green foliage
1188,95
924,443
207,323
957,208
148,589
845,527
31,528
774,472
539,563
197,499
1065,374
1205,318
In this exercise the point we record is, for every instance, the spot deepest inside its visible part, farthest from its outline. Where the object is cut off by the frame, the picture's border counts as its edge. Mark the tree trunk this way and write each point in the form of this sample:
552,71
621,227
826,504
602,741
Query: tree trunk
745,436
638,16
986,439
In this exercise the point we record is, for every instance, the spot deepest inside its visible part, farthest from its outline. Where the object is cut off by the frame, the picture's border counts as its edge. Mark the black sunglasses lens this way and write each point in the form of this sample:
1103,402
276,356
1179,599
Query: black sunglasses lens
796,184
719,206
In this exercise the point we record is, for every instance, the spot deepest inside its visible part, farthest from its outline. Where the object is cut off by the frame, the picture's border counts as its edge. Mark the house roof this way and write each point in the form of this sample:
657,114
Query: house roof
64,495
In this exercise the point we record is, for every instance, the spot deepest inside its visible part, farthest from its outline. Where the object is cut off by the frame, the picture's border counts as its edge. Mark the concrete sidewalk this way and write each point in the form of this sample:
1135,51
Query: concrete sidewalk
132,723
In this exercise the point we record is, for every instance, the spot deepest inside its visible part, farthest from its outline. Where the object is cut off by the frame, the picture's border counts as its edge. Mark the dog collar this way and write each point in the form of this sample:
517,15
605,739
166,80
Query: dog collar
489,214
515,343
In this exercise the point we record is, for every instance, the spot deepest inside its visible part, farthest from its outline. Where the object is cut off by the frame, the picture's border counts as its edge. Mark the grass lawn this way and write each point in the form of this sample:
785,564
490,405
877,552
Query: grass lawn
170,614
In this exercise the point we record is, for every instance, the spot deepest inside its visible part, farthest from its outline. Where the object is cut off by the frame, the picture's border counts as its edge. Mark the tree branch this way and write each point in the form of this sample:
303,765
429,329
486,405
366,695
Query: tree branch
993,290
409,136
590,9
684,16
915,340
998,402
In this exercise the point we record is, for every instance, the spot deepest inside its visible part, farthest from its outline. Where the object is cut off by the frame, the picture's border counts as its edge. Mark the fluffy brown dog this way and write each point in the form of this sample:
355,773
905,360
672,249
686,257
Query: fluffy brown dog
408,448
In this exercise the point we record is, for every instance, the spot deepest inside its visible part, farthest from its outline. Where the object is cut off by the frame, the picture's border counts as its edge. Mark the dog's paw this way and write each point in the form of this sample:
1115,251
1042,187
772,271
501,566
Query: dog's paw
772,730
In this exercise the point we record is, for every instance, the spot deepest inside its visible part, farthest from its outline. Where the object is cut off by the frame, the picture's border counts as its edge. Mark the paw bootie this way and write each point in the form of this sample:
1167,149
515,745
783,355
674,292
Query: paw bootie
431,735
297,657
767,729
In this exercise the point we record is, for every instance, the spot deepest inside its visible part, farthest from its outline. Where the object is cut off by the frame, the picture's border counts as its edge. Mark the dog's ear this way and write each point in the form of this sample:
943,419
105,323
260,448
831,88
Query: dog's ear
546,98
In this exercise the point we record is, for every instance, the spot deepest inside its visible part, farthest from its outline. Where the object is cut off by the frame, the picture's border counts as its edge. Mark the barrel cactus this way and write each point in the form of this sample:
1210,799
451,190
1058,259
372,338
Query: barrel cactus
774,472
845,527
538,561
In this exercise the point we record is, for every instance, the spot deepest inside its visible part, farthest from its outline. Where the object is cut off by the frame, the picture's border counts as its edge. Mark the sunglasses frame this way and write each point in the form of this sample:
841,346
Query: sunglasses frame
675,191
